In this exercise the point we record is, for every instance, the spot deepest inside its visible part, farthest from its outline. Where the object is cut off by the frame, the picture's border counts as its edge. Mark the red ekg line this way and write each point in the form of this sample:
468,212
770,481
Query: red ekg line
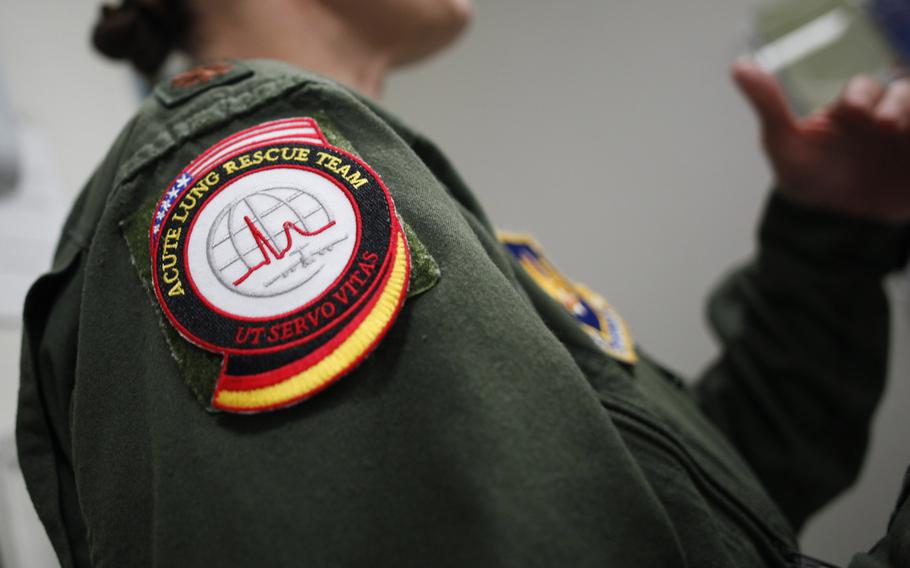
266,248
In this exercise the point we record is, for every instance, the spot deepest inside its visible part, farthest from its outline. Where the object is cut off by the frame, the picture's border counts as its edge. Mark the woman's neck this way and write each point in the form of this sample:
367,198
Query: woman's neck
303,34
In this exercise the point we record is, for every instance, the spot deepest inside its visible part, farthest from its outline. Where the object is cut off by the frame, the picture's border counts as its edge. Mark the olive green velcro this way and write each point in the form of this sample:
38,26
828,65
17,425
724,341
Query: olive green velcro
199,368
425,272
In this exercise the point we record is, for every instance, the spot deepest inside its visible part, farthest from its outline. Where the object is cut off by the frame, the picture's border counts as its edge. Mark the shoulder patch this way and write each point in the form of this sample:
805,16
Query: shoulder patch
283,254
592,312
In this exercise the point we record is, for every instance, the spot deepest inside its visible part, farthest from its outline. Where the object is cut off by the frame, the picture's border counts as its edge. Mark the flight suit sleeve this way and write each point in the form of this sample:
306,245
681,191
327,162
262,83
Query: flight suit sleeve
805,331
468,437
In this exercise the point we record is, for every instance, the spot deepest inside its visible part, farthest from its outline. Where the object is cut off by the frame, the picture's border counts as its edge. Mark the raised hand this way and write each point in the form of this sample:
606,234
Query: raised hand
852,157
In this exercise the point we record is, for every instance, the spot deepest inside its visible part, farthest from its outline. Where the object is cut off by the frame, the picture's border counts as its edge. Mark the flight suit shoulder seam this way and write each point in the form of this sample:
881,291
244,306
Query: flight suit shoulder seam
217,113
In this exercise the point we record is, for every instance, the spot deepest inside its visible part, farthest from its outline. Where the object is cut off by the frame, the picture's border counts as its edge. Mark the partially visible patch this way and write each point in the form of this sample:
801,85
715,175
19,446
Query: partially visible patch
285,255
186,85
200,75
592,312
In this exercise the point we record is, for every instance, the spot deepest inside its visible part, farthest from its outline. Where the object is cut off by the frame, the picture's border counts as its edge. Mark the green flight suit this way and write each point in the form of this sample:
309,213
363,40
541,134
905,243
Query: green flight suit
487,429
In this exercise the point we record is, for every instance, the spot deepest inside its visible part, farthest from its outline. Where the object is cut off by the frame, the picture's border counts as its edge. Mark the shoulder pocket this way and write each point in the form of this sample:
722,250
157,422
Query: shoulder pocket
51,317
51,323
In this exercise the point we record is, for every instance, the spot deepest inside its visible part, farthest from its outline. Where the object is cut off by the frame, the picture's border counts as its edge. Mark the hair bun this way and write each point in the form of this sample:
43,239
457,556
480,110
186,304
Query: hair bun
138,31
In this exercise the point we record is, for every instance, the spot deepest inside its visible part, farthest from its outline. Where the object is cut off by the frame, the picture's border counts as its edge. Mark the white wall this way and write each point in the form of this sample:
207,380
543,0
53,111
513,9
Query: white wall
656,195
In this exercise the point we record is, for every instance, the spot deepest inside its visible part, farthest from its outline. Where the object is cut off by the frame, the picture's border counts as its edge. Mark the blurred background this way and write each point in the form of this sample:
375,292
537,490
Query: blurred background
660,198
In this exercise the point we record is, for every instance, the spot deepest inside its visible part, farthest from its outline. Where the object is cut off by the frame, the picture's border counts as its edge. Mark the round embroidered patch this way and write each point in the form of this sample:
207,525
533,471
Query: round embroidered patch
283,253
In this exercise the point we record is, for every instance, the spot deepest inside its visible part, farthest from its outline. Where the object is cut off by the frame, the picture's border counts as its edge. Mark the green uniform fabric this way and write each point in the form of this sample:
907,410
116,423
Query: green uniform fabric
487,429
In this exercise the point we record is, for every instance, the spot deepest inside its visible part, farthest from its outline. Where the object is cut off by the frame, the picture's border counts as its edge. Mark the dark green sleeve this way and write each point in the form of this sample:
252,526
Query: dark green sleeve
468,438
805,332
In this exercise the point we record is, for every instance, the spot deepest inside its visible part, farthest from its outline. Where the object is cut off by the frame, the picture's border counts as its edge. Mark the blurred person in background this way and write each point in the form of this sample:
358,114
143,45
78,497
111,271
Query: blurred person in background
263,230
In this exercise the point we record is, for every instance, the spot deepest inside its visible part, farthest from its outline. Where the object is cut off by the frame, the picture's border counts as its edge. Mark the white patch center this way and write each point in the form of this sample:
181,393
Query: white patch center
271,242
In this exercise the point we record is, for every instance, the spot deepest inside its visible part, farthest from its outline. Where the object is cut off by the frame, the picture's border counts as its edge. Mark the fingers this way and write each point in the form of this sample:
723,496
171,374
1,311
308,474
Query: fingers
855,108
867,103
861,96
766,96
894,107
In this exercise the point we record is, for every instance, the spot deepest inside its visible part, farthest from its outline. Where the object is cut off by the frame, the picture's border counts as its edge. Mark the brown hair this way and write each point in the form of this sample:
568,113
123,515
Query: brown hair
142,32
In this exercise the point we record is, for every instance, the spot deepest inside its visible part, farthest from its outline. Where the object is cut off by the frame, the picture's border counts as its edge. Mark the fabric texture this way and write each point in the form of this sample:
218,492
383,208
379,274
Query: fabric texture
487,429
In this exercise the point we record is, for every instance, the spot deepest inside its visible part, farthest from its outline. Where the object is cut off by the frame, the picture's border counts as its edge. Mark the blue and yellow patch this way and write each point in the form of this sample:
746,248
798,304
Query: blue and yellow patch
593,313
